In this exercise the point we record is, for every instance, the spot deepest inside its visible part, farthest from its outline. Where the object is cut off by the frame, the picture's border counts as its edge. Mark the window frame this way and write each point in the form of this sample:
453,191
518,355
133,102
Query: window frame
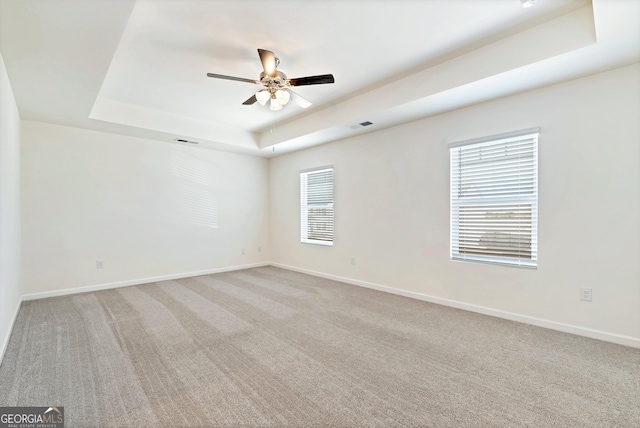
510,248
305,207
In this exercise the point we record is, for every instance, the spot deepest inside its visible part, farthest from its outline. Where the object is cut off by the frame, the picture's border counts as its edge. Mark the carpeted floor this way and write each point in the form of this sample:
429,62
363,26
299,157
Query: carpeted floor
270,347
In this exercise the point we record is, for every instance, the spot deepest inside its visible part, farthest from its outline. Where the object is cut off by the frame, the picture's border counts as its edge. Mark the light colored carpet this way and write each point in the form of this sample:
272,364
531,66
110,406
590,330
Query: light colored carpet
270,347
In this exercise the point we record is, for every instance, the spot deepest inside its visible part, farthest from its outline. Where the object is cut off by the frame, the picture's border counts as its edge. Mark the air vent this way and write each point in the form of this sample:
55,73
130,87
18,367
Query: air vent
360,125
182,140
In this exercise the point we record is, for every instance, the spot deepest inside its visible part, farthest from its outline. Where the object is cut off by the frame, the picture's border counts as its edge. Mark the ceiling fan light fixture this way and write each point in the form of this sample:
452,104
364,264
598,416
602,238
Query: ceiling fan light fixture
282,96
527,3
263,96
275,104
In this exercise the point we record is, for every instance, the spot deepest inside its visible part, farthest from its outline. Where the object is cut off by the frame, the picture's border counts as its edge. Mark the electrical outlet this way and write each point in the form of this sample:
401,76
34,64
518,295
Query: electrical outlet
353,261
242,251
585,294
99,264
259,249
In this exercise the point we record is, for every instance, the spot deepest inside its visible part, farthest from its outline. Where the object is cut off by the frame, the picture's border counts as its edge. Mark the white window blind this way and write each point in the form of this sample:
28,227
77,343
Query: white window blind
316,206
494,201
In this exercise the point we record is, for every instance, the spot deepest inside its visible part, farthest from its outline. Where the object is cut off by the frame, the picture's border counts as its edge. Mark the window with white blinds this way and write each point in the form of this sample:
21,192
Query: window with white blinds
316,206
494,201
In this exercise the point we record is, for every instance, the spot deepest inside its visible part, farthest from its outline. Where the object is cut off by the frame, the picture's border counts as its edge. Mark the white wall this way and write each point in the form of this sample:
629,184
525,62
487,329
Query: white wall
148,209
392,207
9,208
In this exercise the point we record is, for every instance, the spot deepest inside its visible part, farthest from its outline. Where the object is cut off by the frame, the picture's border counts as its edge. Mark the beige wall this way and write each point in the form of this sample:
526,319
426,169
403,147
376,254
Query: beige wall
148,209
392,207
9,208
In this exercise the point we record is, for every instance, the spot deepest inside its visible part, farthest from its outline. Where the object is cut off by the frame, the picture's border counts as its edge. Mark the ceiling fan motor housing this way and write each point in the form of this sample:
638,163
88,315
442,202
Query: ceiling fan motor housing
273,84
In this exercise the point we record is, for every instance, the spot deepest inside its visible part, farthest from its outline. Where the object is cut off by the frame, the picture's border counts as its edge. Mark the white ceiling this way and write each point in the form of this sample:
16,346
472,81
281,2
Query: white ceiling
139,67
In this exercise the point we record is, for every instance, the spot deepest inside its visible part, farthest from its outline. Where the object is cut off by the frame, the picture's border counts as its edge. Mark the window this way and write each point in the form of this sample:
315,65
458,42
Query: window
494,200
316,206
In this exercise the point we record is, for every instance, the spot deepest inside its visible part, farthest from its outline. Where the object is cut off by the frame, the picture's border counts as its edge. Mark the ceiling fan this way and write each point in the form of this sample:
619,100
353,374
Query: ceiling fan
277,87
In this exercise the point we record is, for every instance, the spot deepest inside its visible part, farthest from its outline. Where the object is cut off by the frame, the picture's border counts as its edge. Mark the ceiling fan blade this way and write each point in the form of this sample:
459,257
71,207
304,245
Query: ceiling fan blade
268,62
312,80
250,101
239,79
299,99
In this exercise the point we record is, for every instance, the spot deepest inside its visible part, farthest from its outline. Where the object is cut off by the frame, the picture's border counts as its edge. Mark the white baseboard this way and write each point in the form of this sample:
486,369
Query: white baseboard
539,322
567,328
5,343
138,281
